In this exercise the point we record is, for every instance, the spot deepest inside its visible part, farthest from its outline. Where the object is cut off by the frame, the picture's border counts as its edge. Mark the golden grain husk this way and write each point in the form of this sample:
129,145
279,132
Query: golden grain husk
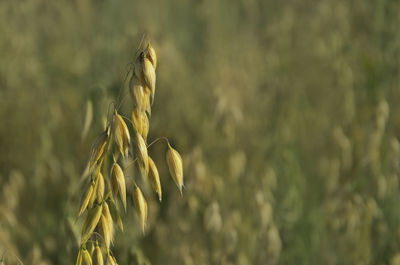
107,215
147,101
140,205
116,217
105,231
100,187
145,126
118,182
91,221
137,119
86,258
175,166
98,256
94,193
121,135
137,92
154,178
86,198
99,148
151,55
149,76
141,153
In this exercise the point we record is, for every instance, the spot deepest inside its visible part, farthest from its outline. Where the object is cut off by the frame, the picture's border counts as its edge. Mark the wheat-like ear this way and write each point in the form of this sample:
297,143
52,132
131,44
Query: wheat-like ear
99,200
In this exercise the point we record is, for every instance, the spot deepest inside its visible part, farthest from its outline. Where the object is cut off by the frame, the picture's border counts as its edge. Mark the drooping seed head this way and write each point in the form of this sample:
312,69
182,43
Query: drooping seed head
118,182
110,260
145,126
175,166
140,205
121,134
154,178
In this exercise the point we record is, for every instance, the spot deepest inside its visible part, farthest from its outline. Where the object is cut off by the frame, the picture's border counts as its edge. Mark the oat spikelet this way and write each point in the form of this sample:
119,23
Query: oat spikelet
154,178
137,119
141,152
99,148
92,219
115,213
85,199
98,260
145,126
107,215
149,76
87,260
175,166
105,231
147,100
118,182
151,55
137,92
141,206
121,135
94,193
100,187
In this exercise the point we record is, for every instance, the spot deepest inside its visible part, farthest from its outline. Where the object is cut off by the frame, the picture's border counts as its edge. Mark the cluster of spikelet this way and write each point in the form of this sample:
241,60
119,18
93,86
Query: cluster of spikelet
104,194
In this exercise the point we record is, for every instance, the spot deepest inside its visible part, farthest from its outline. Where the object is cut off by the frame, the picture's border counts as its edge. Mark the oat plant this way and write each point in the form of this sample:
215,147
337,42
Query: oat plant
105,196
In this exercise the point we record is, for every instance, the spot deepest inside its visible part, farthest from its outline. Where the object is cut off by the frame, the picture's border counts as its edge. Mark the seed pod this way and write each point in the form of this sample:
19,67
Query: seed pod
92,219
154,178
106,233
115,213
98,256
100,187
175,166
86,198
137,92
149,75
151,55
99,148
121,134
141,206
107,215
87,260
141,152
118,182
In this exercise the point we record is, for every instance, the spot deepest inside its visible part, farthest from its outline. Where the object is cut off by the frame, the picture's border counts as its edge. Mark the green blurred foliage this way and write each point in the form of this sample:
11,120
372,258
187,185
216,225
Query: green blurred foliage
286,112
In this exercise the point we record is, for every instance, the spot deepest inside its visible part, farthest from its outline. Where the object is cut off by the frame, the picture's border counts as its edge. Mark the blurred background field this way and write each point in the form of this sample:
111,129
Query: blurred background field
287,114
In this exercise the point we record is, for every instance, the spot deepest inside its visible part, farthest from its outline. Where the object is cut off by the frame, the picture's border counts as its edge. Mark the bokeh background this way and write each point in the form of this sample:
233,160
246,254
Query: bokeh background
287,114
